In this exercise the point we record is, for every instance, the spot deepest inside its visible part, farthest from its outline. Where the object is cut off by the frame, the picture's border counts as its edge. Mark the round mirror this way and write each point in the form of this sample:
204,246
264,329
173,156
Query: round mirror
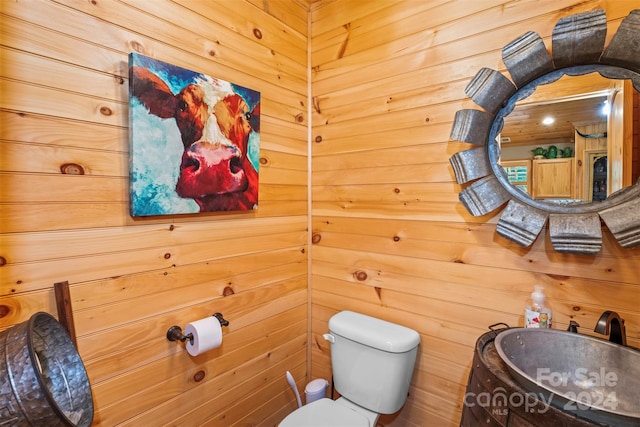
555,184
572,183
569,136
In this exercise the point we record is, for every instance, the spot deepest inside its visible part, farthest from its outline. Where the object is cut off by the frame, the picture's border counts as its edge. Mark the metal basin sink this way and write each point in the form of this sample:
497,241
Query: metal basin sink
596,379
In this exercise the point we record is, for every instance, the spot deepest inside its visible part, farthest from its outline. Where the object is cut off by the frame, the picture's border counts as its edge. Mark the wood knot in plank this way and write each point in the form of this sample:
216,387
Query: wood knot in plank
315,238
72,169
199,376
136,46
360,275
5,310
343,46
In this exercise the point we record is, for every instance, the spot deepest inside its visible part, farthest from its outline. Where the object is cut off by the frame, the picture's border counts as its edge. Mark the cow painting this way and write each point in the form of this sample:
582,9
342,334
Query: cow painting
194,141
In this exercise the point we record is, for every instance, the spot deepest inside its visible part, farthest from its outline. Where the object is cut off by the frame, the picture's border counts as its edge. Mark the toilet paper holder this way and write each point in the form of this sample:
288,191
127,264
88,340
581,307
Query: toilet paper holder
174,333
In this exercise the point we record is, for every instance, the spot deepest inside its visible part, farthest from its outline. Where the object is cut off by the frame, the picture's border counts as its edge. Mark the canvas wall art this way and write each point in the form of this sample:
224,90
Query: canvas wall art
194,141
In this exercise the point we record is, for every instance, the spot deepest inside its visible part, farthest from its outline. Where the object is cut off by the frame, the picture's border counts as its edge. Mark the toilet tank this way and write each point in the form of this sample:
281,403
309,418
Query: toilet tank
372,360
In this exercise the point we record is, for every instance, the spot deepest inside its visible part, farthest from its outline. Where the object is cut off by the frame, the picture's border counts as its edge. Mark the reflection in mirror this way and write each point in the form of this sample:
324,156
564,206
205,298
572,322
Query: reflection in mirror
571,139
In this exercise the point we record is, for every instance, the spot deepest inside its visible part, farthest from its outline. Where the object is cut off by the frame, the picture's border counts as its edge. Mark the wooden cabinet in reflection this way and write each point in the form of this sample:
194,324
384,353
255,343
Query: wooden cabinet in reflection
553,179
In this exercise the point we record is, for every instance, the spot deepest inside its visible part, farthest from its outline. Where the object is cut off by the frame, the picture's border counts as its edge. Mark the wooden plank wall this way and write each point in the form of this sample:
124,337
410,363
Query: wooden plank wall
635,161
64,85
390,237
392,240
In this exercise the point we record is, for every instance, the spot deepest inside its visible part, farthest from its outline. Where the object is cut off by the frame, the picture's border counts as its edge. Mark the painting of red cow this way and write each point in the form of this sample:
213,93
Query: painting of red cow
195,141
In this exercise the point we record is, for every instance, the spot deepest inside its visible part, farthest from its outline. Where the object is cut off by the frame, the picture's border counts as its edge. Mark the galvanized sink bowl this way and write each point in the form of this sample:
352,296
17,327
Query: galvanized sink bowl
594,378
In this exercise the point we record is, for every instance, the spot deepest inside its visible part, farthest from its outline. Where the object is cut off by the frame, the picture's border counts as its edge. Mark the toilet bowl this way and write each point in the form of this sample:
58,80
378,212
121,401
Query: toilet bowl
372,362
330,413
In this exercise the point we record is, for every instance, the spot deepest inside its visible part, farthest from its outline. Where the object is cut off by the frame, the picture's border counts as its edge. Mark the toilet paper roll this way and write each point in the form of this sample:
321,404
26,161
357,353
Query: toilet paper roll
207,335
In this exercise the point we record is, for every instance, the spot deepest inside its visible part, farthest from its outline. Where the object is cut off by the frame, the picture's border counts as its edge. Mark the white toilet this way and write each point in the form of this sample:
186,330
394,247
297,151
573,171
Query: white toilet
372,362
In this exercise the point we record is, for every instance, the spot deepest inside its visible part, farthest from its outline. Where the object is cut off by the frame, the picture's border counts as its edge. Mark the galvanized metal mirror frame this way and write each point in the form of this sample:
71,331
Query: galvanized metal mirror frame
578,48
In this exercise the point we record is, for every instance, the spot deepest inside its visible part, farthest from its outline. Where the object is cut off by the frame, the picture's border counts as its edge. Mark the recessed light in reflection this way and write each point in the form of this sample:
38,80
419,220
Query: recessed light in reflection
548,120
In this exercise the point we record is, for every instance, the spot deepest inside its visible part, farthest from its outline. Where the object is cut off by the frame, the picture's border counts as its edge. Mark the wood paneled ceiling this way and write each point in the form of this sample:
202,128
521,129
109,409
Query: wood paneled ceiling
571,100
524,126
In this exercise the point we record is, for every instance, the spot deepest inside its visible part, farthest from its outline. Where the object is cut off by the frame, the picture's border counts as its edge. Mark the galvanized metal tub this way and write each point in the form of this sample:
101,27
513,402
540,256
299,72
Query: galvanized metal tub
495,399
43,381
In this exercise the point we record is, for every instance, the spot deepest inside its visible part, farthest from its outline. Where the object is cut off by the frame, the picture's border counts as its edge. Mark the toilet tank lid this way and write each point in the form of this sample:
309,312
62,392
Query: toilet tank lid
374,332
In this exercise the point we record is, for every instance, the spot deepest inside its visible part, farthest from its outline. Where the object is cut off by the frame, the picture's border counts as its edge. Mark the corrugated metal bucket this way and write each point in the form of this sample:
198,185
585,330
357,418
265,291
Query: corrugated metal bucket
42,379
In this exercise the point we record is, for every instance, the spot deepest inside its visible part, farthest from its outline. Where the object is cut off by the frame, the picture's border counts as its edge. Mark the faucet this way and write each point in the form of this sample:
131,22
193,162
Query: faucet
610,323
573,326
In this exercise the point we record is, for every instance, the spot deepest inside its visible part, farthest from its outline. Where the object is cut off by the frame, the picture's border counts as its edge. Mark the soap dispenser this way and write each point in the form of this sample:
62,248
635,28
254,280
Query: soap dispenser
537,315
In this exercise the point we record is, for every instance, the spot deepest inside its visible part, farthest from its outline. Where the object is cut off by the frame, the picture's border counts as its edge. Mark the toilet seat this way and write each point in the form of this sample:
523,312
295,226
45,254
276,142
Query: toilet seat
325,412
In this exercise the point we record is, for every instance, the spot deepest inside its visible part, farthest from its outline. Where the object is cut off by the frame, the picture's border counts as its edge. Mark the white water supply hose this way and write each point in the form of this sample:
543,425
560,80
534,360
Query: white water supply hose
292,383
